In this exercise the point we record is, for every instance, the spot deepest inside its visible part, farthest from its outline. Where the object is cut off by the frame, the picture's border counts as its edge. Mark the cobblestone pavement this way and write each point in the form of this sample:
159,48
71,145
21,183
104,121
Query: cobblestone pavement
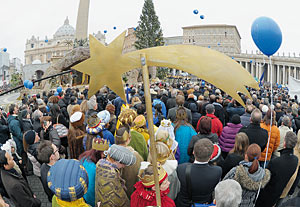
37,188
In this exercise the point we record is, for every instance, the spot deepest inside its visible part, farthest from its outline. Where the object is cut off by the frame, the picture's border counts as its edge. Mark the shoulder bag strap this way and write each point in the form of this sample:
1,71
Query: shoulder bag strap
189,182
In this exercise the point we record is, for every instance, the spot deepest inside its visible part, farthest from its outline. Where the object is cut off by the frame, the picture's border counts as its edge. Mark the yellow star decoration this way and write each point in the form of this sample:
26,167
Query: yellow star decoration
107,64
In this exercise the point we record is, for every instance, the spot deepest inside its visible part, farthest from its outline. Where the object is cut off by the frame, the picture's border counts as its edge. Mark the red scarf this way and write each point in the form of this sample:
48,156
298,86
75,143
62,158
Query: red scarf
142,197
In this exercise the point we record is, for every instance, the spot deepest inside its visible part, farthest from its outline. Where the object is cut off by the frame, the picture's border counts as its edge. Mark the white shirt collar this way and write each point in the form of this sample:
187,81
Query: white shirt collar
200,163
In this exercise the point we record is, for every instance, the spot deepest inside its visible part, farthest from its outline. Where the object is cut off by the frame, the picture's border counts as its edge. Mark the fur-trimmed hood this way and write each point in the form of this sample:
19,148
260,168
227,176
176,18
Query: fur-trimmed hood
249,181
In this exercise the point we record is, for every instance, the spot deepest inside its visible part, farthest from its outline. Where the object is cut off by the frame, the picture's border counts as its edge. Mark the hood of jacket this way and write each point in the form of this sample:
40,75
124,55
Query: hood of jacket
170,166
249,181
11,118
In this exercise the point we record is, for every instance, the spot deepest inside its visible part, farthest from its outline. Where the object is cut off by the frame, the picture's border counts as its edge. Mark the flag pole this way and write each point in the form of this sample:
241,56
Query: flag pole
150,126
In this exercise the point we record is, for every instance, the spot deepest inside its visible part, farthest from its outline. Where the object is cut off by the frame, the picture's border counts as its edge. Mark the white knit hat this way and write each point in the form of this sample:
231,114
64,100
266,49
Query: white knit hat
104,116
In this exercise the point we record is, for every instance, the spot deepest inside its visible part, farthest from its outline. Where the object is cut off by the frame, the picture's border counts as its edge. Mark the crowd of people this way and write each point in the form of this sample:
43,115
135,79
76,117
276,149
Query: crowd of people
211,150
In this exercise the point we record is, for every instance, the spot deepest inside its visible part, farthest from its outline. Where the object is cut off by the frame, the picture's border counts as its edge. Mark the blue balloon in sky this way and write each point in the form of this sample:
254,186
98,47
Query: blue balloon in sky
59,89
219,44
134,28
196,11
105,31
201,16
115,27
25,83
46,40
29,85
5,49
208,46
267,35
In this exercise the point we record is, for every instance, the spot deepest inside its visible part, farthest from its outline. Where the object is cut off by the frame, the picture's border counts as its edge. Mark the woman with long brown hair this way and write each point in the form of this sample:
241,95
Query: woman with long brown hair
183,133
250,175
237,154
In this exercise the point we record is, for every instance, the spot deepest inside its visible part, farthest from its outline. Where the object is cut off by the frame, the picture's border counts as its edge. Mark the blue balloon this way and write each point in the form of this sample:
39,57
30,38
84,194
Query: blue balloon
267,35
59,89
250,61
201,16
196,11
30,85
232,58
46,40
105,31
219,44
5,49
56,93
208,46
115,27
25,83
134,28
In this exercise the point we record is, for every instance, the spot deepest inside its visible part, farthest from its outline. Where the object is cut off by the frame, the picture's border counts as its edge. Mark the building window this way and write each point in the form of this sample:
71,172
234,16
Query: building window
32,45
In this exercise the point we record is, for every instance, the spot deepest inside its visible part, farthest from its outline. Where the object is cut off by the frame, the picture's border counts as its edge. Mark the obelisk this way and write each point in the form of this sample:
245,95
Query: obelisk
82,28
82,20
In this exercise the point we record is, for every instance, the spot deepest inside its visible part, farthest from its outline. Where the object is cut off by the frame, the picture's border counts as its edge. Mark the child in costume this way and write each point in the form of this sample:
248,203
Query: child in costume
145,195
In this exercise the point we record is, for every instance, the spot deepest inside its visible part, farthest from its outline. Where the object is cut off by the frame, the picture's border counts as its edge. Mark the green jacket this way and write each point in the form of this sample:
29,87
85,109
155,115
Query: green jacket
138,143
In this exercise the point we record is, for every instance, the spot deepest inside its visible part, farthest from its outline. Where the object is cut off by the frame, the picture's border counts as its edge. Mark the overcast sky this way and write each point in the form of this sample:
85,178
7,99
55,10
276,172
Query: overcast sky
20,19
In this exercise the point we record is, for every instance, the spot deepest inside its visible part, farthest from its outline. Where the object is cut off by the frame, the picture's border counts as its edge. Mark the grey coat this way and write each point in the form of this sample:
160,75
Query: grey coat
249,182
172,114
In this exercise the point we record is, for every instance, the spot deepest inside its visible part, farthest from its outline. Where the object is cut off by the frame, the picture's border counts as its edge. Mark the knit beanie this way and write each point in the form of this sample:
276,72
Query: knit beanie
30,137
121,154
235,119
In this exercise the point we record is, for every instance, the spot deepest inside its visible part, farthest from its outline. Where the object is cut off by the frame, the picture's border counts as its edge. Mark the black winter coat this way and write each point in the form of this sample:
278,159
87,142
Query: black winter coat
231,161
204,179
18,190
4,131
282,169
256,135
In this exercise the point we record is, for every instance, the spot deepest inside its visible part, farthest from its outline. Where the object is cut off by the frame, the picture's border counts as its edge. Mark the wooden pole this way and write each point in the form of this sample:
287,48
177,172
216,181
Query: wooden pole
150,125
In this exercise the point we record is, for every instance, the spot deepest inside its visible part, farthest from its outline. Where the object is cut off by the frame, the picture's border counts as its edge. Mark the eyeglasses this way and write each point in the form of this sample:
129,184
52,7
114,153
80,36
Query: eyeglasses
55,151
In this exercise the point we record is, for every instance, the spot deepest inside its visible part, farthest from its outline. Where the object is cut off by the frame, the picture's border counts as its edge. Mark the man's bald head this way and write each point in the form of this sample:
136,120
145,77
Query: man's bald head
256,116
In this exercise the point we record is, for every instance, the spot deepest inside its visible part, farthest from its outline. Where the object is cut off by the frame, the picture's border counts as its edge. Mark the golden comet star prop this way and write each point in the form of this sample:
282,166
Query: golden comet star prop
107,64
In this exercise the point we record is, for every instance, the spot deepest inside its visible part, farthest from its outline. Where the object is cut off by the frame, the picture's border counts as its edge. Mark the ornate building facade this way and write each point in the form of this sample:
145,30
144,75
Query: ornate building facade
40,53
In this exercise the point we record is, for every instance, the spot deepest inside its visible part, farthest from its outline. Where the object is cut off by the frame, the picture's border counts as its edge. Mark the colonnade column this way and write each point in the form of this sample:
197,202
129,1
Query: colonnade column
284,75
294,72
278,75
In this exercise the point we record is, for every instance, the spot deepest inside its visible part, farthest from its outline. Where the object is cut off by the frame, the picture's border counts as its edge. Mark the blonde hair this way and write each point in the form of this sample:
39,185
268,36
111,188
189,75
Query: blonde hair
84,106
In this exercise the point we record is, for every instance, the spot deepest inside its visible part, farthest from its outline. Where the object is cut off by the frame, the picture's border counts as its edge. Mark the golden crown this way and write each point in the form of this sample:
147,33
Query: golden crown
124,137
100,144
148,180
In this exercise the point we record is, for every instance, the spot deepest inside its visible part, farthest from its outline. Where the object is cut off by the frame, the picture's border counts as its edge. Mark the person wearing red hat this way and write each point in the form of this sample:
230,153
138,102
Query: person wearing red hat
145,195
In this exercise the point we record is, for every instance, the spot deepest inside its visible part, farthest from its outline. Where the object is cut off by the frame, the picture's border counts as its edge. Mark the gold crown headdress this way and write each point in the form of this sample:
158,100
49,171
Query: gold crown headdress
148,180
100,144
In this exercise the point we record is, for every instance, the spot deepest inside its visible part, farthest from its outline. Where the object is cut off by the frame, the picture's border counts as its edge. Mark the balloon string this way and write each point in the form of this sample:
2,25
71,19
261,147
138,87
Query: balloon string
269,137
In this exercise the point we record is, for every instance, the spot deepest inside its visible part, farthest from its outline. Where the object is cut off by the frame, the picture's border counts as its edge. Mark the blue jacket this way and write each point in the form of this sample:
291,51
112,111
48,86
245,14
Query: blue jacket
15,129
163,107
90,168
234,110
108,135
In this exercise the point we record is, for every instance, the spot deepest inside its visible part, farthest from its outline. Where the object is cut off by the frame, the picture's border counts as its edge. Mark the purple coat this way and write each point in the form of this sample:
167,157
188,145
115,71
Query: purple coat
227,138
